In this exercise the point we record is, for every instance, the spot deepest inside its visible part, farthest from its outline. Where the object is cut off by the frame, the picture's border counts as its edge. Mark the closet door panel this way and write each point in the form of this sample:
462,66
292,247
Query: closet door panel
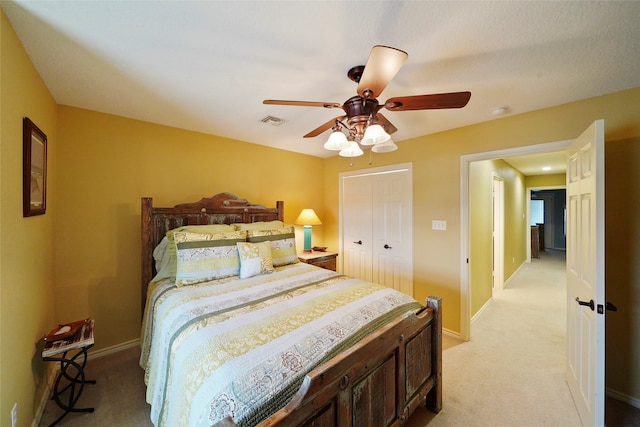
376,223
357,233
392,228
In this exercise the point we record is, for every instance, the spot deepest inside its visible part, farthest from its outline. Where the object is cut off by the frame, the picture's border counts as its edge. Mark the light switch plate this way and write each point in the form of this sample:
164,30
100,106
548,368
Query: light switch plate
439,225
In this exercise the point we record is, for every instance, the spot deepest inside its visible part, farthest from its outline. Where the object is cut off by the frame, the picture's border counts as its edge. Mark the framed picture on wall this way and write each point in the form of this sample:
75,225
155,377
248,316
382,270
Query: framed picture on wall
34,174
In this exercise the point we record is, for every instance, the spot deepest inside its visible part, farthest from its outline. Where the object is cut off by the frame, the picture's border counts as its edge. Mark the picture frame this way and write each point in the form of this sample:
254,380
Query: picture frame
34,171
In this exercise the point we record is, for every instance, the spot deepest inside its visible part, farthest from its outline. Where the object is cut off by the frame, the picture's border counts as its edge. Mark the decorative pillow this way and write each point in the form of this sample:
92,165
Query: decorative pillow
260,225
282,241
210,228
206,256
255,259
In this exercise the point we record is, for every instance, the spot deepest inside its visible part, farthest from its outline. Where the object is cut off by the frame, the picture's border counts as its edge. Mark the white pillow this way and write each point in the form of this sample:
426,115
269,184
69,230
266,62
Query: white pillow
255,259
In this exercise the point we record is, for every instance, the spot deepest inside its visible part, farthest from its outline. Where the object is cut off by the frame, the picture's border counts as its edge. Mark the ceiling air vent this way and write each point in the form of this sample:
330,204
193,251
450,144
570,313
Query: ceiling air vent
273,121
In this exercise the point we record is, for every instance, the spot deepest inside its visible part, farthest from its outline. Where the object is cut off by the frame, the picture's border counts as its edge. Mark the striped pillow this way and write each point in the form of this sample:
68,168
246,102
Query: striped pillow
207,228
201,257
283,244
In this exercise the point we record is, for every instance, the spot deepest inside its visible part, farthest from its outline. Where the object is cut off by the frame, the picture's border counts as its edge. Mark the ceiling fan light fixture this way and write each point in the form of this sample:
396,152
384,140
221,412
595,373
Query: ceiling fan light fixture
353,150
385,147
337,141
374,134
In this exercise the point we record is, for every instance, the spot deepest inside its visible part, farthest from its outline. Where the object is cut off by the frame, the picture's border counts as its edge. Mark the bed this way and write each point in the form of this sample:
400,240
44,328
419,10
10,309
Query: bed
282,343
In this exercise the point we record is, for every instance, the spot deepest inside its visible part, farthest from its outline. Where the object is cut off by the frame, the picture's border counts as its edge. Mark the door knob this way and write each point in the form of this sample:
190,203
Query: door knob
611,307
589,304
387,246
359,242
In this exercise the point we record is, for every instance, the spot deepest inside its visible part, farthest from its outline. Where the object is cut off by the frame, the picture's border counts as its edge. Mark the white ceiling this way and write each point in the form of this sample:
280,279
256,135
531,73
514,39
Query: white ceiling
208,65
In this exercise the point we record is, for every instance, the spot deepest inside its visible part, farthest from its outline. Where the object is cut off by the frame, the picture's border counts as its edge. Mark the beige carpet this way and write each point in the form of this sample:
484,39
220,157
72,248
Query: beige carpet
510,374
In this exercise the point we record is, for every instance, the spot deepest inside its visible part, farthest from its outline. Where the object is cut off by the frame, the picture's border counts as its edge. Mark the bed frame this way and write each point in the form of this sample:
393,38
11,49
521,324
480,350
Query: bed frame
378,382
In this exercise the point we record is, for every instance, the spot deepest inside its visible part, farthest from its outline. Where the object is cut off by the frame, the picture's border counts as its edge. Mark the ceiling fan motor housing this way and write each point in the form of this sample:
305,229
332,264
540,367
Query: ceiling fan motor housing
359,110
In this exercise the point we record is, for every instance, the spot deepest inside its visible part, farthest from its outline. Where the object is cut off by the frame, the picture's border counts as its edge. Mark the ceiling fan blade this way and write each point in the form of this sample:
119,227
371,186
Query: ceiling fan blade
386,124
317,131
428,102
302,103
383,64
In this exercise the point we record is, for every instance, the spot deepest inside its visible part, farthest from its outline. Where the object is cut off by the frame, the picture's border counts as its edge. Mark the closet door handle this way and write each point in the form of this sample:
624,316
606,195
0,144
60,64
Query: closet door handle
387,246
359,242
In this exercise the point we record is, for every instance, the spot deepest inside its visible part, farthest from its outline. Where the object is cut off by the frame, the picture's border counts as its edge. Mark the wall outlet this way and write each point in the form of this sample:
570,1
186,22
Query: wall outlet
439,225
14,415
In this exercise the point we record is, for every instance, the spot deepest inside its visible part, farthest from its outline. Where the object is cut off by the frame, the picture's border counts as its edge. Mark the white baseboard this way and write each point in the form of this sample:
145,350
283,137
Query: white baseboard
623,397
50,377
114,349
507,282
482,309
55,368
451,334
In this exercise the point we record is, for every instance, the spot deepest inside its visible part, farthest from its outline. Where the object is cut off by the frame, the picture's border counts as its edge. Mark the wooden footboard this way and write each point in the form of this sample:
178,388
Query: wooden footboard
379,382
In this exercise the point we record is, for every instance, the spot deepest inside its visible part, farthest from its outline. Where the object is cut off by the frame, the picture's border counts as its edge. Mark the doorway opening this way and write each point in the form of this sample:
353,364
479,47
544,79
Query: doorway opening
465,237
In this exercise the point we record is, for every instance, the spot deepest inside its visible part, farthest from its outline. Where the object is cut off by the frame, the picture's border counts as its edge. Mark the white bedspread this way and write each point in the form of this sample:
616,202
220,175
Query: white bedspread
242,347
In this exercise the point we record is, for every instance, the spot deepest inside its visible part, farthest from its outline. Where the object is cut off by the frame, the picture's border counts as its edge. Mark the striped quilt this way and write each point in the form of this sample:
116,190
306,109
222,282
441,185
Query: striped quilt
241,347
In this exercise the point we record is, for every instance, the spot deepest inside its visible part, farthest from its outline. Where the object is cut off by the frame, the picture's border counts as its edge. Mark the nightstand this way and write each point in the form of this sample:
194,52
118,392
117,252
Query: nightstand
319,259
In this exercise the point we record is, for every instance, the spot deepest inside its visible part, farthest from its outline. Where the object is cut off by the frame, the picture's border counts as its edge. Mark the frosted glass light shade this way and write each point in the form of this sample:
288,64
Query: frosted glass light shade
385,147
374,134
353,150
337,141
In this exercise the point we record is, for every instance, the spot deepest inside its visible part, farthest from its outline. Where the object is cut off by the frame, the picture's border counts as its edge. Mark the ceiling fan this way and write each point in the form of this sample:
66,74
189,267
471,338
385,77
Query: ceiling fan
362,121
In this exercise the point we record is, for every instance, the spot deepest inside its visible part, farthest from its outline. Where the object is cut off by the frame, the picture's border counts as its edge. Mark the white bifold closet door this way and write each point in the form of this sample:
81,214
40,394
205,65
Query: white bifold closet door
376,226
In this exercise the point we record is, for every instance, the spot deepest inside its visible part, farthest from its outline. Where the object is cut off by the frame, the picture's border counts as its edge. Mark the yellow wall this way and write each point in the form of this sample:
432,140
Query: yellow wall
481,226
26,244
622,229
436,172
107,163
539,181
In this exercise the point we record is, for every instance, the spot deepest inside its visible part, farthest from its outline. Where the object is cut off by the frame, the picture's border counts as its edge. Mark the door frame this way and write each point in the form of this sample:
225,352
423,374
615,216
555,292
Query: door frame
498,231
465,237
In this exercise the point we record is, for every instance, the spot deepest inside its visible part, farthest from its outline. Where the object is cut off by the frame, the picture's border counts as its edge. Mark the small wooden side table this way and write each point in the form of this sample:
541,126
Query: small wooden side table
319,259
72,355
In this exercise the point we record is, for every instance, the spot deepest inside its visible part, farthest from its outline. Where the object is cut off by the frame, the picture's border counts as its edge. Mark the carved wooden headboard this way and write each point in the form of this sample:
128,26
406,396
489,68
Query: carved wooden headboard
223,208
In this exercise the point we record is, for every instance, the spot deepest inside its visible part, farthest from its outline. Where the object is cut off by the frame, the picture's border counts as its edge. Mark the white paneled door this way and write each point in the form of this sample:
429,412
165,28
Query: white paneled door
376,226
586,305
357,217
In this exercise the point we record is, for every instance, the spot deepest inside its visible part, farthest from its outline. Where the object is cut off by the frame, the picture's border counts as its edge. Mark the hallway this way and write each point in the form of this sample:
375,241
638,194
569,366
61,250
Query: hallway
511,373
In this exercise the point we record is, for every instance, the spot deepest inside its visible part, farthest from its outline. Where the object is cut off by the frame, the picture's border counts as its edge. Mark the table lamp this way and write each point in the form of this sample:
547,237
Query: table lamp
307,218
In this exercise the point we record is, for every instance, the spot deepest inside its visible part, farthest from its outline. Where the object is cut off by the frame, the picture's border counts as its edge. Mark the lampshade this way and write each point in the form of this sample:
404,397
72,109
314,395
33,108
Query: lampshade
353,150
374,134
308,217
385,147
337,141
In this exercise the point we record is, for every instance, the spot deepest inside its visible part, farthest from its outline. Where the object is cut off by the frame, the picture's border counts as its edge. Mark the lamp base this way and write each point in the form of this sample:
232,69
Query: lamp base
307,238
